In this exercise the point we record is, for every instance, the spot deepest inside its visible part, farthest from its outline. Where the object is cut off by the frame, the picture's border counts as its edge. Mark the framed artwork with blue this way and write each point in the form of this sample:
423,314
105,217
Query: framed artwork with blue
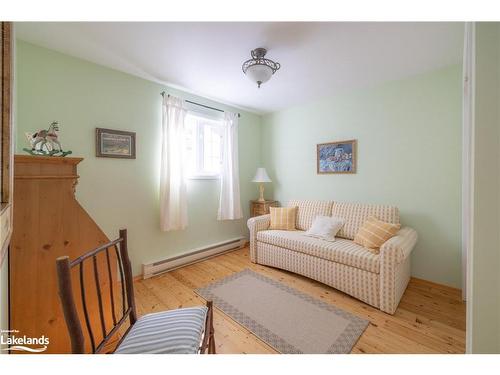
336,157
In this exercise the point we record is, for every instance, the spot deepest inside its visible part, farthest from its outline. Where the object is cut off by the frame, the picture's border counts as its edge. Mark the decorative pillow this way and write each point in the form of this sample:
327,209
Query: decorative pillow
283,218
325,227
374,232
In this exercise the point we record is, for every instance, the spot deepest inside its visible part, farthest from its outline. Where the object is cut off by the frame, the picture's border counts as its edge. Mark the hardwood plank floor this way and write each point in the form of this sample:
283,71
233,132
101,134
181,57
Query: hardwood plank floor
429,319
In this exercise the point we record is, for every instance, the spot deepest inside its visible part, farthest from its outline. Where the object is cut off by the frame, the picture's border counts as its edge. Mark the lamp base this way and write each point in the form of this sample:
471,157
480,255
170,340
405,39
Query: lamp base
261,193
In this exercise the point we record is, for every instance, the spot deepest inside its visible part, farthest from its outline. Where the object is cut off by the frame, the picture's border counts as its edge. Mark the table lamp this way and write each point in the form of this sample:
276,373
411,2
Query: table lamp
261,177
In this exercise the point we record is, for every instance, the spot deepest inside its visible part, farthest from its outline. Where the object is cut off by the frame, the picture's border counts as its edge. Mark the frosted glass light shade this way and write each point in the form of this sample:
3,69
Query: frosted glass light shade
259,73
261,176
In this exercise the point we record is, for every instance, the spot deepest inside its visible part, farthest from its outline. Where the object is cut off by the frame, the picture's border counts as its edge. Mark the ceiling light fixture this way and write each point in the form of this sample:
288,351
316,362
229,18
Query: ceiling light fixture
258,68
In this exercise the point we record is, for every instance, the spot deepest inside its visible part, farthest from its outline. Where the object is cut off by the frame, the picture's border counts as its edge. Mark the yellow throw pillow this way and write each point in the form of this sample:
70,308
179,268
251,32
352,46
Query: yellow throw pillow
283,218
374,232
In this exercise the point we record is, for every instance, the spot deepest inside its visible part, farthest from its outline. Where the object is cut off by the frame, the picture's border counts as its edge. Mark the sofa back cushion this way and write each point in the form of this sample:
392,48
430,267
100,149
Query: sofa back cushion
307,210
355,214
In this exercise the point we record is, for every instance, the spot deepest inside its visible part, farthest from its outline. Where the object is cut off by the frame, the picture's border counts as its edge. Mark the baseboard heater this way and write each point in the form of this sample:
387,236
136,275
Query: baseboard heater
193,256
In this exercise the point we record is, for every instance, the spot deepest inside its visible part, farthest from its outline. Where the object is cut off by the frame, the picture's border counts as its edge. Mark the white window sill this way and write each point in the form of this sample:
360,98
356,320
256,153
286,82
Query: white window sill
204,177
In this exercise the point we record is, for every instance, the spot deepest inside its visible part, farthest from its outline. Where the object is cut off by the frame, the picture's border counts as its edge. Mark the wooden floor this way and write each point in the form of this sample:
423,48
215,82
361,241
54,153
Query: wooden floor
429,319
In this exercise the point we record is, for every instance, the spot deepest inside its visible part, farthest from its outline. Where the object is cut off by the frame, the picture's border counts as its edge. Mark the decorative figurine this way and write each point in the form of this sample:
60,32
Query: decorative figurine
44,142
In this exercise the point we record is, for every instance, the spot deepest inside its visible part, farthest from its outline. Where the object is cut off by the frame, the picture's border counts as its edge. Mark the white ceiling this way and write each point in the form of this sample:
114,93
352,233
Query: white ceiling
316,59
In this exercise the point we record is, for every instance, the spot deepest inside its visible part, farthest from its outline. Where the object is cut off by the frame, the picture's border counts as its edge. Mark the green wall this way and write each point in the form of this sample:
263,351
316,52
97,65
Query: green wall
484,308
409,155
124,193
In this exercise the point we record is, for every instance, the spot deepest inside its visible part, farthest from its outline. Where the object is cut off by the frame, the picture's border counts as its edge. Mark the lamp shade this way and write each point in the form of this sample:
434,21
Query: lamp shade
259,73
261,176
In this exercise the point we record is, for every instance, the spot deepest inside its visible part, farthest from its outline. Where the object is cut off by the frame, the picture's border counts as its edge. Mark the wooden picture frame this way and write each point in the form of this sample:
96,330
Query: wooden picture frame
338,157
110,143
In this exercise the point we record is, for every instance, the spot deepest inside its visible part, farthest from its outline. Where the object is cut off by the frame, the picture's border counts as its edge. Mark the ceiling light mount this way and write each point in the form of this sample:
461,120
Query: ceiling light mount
258,68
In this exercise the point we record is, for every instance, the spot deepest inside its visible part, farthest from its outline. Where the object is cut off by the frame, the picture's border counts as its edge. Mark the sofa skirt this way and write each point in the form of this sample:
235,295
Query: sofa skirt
361,284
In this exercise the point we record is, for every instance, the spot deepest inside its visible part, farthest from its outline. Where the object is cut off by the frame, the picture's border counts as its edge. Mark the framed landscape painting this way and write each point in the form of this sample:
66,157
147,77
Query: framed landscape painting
115,143
336,157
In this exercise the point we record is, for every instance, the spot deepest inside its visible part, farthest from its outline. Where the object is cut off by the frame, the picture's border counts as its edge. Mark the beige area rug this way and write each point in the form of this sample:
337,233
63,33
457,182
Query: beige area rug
286,319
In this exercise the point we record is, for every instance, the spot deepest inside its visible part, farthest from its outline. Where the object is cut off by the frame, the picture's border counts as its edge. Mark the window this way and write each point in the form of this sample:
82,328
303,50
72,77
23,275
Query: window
203,146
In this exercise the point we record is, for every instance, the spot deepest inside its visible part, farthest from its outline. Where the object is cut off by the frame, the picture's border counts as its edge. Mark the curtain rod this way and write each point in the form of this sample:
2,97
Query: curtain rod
199,104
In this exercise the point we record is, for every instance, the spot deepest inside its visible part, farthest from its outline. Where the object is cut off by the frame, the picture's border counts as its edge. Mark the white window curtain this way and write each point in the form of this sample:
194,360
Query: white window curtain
229,202
173,201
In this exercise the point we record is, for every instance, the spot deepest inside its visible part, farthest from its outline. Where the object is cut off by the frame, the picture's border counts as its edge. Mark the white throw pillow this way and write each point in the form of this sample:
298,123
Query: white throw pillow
325,227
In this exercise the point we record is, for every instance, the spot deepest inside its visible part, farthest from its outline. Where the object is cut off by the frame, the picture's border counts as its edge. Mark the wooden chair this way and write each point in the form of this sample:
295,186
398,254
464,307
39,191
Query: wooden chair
188,330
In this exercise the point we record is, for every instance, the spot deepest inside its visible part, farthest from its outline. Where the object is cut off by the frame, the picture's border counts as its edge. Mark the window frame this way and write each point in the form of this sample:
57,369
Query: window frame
199,145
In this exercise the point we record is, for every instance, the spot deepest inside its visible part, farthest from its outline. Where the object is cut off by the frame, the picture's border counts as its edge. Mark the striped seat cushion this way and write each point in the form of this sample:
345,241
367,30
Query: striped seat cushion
341,251
169,332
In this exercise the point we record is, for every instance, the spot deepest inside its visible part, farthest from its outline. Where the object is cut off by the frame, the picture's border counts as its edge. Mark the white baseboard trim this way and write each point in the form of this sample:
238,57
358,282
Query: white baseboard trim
192,256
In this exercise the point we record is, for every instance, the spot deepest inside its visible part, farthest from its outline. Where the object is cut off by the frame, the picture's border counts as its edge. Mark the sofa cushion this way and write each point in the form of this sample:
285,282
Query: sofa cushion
283,218
325,228
308,210
341,251
374,233
355,214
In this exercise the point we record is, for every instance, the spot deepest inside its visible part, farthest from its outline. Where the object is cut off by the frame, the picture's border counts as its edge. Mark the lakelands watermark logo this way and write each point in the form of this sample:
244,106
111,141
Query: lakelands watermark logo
16,342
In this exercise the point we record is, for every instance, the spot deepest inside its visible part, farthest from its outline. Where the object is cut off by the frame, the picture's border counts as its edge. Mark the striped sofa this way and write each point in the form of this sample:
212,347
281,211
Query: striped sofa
377,279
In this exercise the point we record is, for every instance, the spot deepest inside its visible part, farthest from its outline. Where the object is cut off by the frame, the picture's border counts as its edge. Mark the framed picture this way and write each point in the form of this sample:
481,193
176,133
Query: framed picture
337,157
114,143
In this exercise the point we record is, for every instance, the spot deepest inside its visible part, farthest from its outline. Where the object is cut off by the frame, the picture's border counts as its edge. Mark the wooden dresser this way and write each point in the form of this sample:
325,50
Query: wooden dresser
258,208
48,223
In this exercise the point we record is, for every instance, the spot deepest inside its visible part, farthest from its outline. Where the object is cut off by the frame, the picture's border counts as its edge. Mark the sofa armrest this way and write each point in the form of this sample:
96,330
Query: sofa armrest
401,244
256,224
259,222
395,268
